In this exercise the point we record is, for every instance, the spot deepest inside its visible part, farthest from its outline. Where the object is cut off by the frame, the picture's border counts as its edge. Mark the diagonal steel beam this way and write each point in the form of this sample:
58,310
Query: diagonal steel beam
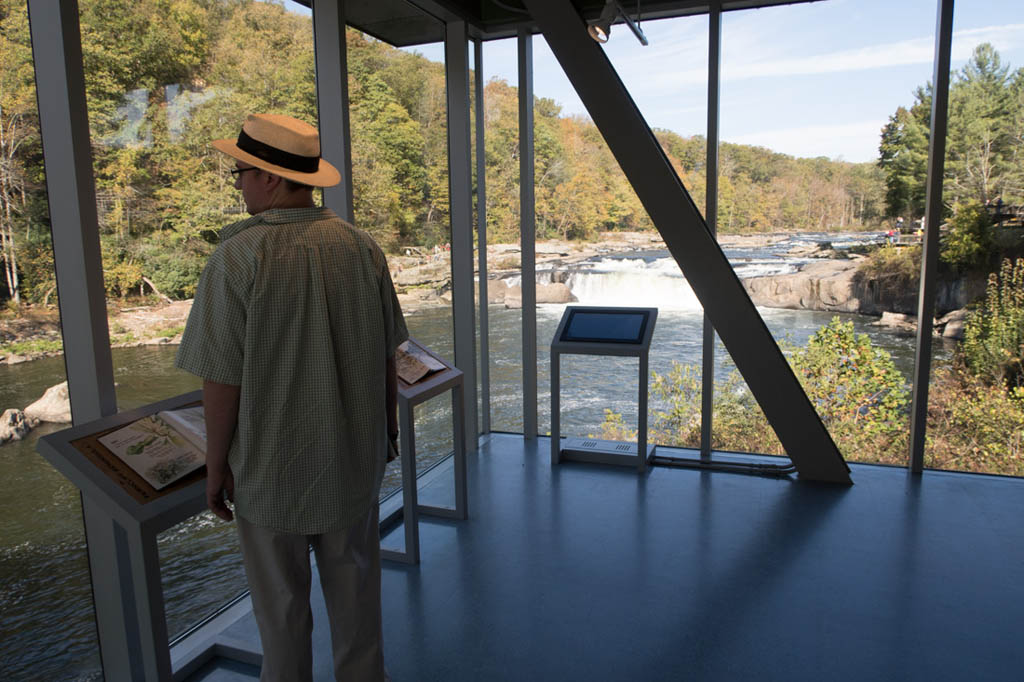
726,303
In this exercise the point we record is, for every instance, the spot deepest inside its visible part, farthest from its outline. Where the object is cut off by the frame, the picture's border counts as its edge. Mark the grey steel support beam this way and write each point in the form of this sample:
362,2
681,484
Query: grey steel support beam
933,217
332,100
527,233
64,124
67,155
711,215
481,237
757,356
460,188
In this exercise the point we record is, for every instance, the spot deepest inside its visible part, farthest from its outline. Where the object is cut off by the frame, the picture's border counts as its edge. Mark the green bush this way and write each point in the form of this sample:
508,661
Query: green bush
895,270
968,244
175,274
857,390
855,387
974,425
993,346
35,262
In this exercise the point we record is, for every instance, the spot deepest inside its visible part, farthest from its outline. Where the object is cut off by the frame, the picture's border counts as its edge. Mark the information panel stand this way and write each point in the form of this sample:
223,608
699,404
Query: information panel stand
586,330
409,396
138,512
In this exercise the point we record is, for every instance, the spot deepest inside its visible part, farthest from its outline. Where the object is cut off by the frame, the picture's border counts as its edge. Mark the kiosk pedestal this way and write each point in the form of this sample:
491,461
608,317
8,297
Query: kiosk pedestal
602,331
410,395
116,497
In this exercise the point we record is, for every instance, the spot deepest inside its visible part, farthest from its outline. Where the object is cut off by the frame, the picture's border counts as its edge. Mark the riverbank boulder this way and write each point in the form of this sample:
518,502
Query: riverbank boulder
900,323
14,425
953,323
546,293
54,406
825,285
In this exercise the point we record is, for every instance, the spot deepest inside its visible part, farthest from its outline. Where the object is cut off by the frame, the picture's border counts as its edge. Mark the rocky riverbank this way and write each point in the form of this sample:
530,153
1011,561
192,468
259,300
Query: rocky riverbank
424,279
835,285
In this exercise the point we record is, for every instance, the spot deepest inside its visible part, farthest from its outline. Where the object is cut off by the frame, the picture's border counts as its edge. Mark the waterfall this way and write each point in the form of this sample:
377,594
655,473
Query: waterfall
656,283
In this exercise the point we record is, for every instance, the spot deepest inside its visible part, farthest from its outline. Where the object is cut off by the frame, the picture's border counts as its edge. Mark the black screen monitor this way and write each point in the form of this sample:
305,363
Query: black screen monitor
606,326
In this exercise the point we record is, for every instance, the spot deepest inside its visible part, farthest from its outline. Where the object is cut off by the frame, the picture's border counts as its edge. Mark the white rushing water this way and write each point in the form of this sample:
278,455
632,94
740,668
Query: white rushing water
656,282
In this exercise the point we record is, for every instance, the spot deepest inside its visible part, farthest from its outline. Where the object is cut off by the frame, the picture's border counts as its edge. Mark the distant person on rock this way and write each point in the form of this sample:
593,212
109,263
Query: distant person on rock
293,330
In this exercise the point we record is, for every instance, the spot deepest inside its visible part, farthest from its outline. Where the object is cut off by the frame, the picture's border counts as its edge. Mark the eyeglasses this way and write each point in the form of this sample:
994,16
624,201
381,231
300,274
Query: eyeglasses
235,172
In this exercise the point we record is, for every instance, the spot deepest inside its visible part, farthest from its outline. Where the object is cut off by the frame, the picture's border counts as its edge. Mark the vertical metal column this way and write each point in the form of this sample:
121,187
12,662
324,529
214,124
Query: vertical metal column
460,180
933,216
332,100
64,127
481,237
527,233
711,217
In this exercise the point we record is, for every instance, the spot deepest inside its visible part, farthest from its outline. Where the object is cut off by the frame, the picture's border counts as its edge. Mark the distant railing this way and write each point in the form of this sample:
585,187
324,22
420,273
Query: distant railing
1004,214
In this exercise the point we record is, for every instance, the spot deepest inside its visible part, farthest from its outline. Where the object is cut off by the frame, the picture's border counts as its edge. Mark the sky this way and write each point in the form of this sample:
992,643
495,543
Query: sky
814,79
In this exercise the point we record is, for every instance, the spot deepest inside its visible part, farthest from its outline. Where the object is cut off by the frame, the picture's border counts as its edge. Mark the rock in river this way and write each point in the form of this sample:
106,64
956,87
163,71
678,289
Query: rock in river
54,406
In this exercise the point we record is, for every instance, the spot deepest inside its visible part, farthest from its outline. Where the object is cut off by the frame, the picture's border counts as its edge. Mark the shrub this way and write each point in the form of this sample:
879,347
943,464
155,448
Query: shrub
974,425
895,270
121,277
175,274
993,346
857,390
35,261
675,414
968,244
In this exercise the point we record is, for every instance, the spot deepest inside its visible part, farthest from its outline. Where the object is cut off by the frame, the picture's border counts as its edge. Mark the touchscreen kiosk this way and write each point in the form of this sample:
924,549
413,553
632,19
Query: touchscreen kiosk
586,330
606,325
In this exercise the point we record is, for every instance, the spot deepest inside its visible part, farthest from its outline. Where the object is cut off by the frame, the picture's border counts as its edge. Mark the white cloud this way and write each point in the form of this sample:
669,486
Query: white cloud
850,141
756,61
911,51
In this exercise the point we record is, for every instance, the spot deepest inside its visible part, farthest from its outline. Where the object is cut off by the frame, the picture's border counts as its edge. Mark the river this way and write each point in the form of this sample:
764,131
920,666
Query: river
47,629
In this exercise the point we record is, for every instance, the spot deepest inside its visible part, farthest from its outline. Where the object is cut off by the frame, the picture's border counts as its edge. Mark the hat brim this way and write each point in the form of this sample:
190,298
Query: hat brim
325,176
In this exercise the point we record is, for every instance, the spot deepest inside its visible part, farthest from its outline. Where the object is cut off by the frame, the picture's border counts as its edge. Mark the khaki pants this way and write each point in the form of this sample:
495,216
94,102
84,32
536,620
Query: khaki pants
278,570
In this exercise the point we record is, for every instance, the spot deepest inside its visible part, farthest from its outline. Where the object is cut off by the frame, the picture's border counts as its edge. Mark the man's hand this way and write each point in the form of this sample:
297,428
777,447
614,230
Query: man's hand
220,406
392,448
220,484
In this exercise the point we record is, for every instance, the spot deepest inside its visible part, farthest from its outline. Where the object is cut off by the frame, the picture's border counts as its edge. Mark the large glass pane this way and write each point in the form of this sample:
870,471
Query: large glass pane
595,243
48,629
162,81
501,145
398,106
802,200
976,394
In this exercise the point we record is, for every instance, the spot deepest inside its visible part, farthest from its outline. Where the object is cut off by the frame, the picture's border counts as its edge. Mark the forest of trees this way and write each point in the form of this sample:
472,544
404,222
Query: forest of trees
984,143
164,77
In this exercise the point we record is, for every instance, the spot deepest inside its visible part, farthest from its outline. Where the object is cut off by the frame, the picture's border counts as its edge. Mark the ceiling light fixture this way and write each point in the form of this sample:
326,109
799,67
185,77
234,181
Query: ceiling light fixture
601,29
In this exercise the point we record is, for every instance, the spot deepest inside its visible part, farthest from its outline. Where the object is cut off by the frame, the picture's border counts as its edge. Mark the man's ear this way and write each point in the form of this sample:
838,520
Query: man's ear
272,180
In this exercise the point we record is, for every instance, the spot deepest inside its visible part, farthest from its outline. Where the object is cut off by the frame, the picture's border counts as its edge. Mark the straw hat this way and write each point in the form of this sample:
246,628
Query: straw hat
284,146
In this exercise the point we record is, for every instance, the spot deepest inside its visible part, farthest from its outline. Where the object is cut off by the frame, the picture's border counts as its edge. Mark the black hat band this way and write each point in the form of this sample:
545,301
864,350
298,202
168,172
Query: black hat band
278,157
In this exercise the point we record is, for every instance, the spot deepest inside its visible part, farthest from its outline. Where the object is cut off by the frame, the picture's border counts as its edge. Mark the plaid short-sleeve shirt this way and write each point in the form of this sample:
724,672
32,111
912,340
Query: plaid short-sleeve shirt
297,307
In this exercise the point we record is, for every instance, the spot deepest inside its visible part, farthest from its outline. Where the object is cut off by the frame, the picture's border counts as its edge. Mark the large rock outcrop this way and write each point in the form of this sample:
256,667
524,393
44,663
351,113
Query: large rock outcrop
54,406
823,285
834,286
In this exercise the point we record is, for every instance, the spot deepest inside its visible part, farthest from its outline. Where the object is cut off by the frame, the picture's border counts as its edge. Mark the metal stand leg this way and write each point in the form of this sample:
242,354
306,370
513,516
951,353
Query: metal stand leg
460,511
407,450
641,433
556,420
149,604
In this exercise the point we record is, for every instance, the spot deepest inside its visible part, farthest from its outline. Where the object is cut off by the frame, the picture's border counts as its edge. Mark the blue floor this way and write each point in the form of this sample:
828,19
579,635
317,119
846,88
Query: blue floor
587,572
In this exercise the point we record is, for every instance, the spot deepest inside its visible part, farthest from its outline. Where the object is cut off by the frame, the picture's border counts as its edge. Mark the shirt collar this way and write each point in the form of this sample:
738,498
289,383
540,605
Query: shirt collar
278,216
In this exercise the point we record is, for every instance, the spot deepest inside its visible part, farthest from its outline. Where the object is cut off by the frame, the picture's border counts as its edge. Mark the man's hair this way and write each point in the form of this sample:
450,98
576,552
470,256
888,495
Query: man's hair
293,186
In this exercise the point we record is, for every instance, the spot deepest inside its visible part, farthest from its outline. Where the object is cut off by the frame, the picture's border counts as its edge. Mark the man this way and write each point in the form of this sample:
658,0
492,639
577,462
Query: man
293,330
